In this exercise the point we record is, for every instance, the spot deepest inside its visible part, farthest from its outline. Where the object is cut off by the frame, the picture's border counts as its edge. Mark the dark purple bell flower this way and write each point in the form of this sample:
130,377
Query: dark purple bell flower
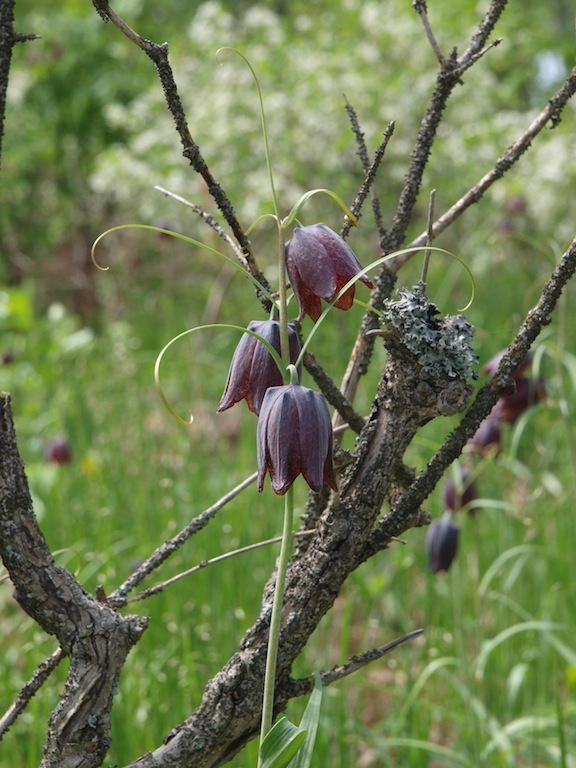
442,543
491,366
253,369
457,495
58,451
319,264
528,392
487,438
294,437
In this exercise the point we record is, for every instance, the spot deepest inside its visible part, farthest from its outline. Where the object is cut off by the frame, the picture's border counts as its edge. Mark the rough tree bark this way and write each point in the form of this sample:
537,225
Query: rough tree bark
349,527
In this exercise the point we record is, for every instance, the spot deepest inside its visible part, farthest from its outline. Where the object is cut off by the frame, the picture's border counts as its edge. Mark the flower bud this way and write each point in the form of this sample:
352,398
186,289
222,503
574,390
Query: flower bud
442,543
253,369
319,264
294,437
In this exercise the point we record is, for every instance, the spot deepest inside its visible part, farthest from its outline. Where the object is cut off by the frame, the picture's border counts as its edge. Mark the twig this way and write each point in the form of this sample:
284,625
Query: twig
210,220
550,114
448,77
420,8
477,45
305,685
371,170
429,236
118,597
536,319
205,563
8,39
358,134
357,662
474,57
159,55
29,689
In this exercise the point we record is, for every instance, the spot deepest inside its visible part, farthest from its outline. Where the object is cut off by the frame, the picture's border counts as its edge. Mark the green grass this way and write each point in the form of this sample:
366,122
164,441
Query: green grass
492,683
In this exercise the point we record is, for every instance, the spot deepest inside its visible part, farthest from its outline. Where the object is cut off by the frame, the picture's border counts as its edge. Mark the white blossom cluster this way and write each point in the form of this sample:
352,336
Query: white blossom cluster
384,66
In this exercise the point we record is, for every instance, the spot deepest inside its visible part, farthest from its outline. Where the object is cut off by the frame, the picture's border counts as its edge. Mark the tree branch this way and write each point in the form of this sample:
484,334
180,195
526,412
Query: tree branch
537,318
362,351
90,633
29,690
163,552
302,687
550,114
8,39
371,170
159,55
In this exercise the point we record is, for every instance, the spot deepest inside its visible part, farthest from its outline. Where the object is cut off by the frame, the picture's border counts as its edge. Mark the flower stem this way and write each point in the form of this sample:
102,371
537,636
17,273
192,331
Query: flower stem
270,678
282,300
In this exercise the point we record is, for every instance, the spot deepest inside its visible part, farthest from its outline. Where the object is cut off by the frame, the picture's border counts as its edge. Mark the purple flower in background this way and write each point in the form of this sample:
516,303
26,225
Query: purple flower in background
487,438
457,495
319,264
492,365
442,543
294,437
58,451
253,369
528,392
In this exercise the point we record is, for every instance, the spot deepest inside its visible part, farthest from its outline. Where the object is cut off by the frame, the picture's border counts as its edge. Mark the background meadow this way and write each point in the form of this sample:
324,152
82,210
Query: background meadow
493,681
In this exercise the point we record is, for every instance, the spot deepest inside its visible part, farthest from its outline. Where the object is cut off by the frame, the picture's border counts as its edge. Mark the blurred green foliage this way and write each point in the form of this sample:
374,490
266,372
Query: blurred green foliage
88,134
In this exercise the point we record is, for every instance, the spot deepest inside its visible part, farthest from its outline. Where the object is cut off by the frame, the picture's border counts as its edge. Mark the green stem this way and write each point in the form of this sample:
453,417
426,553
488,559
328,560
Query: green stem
270,678
282,298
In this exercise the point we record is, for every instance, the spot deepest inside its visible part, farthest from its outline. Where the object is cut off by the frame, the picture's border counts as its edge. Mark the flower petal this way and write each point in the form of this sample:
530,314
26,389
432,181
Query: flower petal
313,263
238,380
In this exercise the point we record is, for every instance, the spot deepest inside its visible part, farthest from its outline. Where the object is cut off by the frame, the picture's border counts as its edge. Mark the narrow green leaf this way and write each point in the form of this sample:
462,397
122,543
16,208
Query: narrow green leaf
545,627
282,742
309,722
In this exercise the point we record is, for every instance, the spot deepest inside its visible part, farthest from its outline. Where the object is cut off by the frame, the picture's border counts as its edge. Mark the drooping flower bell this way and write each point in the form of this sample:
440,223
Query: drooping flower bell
491,366
294,437
253,370
442,543
319,264
528,392
487,438
459,492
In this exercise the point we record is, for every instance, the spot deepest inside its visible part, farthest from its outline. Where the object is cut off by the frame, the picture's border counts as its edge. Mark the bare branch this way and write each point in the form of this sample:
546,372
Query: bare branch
29,690
479,41
371,170
550,114
305,686
361,353
536,319
118,597
205,563
159,55
8,39
210,220
88,631
421,9
367,657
